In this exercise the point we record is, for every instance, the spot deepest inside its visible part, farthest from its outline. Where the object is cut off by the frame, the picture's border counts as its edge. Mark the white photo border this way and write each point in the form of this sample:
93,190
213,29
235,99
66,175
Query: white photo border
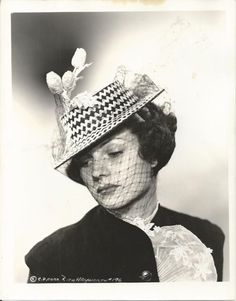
11,290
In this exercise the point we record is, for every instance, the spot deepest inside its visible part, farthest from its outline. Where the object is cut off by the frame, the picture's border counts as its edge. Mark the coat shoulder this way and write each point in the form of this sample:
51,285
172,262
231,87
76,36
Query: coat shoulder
48,250
203,228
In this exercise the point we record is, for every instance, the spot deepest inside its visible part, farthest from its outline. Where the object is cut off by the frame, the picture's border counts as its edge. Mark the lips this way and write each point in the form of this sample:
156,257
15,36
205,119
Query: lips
107,189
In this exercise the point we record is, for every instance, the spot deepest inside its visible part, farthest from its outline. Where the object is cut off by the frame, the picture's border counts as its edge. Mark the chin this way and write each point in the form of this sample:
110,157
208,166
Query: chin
111,206
115,206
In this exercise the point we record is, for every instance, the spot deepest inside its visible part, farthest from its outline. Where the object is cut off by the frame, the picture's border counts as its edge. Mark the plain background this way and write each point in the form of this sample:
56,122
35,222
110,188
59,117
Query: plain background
182,51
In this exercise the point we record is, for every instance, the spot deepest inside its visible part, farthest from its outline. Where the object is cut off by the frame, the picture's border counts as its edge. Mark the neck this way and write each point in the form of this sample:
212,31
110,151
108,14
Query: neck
142,207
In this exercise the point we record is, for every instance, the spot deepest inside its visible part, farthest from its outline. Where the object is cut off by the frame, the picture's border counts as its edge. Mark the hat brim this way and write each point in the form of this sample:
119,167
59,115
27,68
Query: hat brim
104,128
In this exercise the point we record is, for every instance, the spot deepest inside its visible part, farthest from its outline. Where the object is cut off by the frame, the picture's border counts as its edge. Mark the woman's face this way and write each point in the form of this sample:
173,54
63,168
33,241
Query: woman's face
114,173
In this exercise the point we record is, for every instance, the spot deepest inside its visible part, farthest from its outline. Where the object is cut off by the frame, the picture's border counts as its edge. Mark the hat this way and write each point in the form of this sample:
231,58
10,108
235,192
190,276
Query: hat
84,119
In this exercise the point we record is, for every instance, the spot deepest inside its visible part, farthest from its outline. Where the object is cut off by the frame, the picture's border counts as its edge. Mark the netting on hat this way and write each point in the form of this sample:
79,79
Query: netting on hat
117,144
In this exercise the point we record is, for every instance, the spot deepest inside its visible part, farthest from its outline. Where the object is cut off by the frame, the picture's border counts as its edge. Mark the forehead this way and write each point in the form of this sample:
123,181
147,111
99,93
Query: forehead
124,137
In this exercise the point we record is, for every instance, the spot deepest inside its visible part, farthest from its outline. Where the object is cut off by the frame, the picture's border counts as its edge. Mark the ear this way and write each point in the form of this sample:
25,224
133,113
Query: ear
154,163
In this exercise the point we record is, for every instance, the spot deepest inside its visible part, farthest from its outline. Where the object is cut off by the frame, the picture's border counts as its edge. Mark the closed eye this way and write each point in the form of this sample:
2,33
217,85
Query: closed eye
115,154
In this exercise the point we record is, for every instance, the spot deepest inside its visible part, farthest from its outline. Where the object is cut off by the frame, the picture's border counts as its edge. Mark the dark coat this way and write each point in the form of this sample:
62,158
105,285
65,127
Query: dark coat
103,248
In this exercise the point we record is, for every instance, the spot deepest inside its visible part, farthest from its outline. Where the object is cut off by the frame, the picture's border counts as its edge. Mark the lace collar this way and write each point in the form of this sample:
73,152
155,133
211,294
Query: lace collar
137,221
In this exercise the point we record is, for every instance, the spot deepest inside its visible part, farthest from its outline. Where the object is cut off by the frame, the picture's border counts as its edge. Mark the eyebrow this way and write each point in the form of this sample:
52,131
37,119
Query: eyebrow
89,154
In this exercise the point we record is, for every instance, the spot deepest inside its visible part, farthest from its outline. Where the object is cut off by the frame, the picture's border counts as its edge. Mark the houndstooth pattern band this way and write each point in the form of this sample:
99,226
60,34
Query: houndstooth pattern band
112,101
83,126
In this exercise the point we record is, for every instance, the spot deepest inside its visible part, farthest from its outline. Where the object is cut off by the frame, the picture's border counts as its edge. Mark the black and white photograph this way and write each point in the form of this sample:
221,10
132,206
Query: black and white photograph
118,151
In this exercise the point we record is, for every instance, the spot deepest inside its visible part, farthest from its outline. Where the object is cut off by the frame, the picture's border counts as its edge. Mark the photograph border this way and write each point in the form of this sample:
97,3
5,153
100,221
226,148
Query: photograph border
119,291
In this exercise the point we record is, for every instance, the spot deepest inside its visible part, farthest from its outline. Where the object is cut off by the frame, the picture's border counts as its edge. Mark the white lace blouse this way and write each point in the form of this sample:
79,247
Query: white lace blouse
179,254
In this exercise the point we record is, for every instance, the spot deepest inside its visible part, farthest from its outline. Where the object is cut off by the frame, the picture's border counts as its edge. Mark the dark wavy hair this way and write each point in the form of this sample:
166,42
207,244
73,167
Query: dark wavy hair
156,135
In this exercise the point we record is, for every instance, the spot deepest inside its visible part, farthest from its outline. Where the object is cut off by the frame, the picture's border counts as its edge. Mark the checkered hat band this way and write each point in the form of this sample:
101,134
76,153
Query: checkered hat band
103,128
112,101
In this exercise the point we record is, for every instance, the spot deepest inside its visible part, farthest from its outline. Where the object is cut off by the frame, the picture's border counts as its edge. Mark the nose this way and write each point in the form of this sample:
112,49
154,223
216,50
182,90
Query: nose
99,169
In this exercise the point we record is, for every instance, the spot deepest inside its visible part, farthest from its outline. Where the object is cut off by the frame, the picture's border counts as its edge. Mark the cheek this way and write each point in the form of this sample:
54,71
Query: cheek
141,174
86,175
134,172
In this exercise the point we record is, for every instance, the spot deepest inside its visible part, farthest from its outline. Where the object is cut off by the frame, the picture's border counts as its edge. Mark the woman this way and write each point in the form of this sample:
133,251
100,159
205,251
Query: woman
115,142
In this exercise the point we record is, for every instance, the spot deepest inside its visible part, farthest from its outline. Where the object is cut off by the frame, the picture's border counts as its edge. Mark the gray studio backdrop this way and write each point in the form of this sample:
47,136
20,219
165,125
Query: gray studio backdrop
181,50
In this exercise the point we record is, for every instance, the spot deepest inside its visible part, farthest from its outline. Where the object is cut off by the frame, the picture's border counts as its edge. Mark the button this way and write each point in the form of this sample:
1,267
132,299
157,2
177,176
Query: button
146,276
